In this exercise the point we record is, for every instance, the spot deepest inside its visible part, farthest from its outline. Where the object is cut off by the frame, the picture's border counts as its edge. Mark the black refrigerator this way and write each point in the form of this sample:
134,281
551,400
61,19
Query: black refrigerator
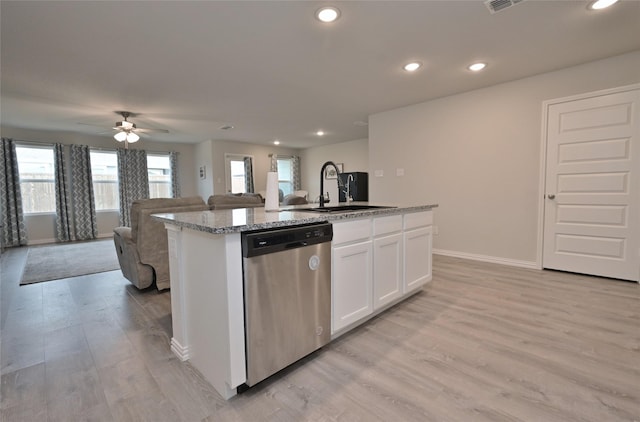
358,186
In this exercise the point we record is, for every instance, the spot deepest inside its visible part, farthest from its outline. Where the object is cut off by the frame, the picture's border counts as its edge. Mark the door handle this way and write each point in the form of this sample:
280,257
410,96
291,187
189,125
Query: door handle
551,196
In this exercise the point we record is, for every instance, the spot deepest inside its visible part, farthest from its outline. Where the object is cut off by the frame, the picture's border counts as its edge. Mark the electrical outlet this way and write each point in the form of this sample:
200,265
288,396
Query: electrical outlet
379,173
400,172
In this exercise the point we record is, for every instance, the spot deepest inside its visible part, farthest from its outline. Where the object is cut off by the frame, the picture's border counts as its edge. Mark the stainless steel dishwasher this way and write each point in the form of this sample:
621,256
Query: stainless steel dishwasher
287,296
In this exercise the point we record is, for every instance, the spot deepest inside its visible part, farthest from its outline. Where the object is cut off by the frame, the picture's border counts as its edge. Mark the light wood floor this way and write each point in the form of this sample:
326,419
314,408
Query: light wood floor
482,342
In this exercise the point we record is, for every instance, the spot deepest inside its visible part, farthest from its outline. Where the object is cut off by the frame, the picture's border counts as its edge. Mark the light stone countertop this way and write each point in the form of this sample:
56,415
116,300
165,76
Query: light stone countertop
247,219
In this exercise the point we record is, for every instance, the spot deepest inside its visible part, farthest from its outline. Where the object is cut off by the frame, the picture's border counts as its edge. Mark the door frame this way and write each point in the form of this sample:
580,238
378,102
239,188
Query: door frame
543,154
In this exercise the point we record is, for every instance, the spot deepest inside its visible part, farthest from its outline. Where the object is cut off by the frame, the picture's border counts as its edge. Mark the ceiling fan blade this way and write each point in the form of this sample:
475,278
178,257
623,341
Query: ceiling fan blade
92,125
149,130
105,130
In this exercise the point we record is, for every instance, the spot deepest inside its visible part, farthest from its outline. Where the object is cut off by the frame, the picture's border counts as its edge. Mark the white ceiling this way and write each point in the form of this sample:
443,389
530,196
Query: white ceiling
269,68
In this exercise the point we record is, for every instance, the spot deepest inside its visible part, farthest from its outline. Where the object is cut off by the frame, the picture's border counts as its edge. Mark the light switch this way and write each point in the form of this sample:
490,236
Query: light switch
399,172
379,173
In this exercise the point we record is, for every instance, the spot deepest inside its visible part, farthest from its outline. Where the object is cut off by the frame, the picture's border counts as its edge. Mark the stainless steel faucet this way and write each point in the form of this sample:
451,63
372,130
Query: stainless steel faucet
348,190
324,166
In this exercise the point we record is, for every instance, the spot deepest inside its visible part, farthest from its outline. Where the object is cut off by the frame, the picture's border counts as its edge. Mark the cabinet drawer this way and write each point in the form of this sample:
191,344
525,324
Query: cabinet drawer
418,219
350,231
388,224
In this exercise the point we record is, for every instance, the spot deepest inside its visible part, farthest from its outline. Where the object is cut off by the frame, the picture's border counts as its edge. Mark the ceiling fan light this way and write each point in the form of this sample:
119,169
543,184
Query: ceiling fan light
120,136
132,137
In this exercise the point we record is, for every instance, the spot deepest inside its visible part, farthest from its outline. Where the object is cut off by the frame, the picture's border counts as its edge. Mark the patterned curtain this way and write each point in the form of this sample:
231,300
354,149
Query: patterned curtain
295,169
63,217
133,179
14,232
248,175
274,162
175,186
84,204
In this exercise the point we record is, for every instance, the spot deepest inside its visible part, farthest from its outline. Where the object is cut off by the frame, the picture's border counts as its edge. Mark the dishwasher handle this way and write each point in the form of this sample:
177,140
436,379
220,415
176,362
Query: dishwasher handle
296,245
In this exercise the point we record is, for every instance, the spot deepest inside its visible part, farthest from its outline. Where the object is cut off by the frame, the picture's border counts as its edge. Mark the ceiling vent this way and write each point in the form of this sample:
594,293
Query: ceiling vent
496,6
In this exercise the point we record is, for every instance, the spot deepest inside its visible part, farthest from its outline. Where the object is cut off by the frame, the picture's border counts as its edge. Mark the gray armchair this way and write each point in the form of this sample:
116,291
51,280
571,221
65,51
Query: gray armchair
293,199
142,248
235,200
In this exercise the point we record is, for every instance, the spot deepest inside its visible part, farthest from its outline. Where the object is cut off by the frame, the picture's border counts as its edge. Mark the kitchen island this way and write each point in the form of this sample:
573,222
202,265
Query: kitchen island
380,257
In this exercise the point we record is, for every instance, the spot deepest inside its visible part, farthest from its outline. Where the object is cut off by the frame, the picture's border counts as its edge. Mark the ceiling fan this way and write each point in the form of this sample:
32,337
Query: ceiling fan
127,131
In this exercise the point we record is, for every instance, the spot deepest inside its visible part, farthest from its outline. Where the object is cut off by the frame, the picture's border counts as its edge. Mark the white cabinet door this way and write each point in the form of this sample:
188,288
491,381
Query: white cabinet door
417,258
387,269
352,283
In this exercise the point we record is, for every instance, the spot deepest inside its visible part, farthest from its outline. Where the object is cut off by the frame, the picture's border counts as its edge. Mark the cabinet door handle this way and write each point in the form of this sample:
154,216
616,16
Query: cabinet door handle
551,196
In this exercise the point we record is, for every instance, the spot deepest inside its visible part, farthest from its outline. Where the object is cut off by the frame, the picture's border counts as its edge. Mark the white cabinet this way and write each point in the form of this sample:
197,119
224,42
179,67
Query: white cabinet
387,260
351,287
417,258
376,263
387,269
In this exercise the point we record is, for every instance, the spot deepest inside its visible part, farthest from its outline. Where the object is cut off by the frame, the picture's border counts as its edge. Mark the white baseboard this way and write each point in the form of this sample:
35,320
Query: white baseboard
40,242
179,350
492,259
50,241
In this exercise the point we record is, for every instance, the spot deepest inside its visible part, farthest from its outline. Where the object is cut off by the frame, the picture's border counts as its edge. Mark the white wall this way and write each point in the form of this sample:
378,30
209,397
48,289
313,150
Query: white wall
204,158
41,227
215,182
353,154
477,155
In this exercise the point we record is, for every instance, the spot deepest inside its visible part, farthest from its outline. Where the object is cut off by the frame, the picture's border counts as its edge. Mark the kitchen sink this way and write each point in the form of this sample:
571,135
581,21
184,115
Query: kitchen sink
342,208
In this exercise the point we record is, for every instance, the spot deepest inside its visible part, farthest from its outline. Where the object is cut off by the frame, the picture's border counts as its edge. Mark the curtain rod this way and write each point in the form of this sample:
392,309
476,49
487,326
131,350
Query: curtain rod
282,155
50,144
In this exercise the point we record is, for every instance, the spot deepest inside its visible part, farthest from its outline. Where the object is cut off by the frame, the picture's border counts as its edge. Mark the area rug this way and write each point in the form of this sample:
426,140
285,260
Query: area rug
53,262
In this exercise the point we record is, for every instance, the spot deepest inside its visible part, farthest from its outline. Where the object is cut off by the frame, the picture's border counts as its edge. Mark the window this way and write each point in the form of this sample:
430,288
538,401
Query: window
285,175
159,170
104,174
37,179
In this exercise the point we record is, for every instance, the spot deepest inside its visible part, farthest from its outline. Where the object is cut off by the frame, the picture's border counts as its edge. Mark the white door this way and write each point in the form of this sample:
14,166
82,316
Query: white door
592,202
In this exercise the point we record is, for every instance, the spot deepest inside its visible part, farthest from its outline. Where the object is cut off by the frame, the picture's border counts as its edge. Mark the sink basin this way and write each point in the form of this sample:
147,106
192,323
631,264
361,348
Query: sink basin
342,208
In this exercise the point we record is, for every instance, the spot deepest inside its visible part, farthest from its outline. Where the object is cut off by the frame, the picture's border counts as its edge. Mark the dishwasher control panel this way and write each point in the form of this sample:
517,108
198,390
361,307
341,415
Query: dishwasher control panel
291,237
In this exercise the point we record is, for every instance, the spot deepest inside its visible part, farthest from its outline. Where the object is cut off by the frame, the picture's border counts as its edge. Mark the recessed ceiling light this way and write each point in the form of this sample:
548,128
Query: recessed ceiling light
412,67
226,127
476,67
602,4
276,142
320,133
328,14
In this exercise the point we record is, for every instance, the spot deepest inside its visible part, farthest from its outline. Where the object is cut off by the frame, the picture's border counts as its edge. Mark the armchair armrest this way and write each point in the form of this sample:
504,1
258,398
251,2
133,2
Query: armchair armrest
123,232
139,274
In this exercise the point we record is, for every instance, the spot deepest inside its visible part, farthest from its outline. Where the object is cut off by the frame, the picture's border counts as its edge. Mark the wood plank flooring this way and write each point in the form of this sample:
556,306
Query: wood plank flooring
482,342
